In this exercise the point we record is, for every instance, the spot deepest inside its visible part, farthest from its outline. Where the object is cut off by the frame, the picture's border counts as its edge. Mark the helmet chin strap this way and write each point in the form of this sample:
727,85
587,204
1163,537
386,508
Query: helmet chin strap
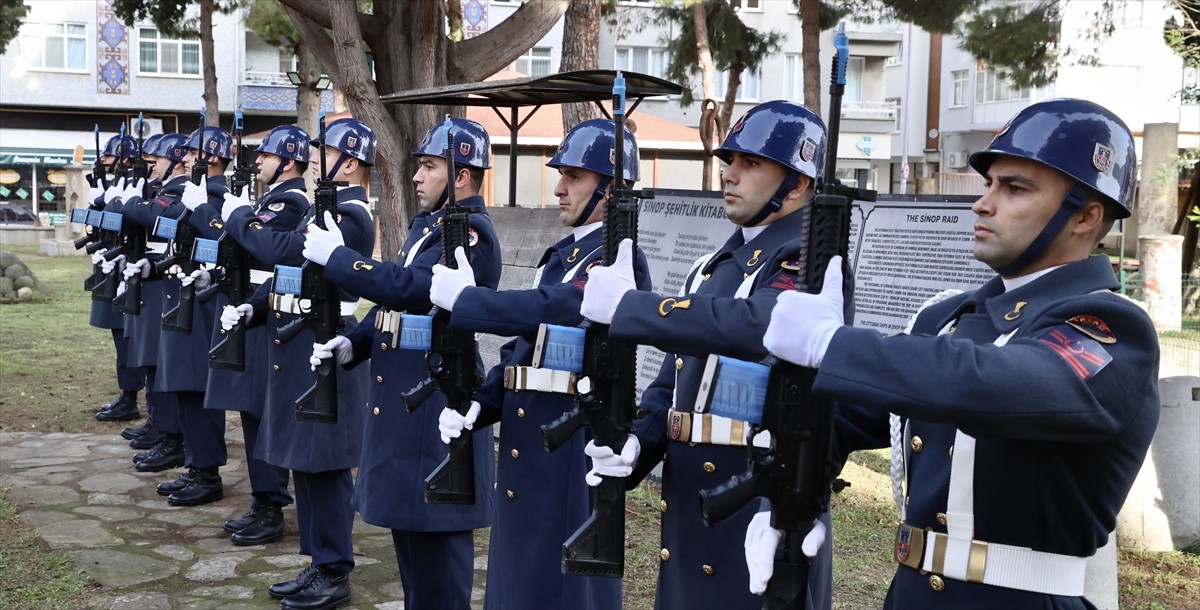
336,166
776,202
278,171
597,196
1071,203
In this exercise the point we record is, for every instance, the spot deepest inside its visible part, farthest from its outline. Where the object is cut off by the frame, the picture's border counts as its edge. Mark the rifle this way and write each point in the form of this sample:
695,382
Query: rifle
230,352
104,286
120,170
93,241
97,177
88,240
183,240
324,317
451,360
133,235
605,390
793,471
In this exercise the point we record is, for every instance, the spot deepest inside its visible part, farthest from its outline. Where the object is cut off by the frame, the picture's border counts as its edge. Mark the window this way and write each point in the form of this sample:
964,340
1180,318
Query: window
535,62
989,87
168,56
288,62
55,46
748,89
896,59
746,5
854,77
895,102
642,59
793,83
959,80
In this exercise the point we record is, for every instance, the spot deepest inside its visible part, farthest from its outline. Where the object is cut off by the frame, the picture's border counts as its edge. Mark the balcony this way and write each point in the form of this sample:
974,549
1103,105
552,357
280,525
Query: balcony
272,92
869,117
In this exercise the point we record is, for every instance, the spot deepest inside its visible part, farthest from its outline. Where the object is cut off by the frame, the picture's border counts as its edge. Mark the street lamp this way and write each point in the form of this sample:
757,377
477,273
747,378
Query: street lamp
323,82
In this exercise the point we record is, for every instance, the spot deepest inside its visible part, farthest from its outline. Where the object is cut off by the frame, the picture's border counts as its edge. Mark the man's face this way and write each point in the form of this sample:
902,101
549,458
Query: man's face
1021,197
574,190
430,180
189,159
152,166
160,167
267,163
749,182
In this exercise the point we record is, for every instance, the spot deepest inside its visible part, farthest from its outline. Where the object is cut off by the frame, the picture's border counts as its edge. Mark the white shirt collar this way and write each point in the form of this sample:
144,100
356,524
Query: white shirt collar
749,233
1017,282
581,232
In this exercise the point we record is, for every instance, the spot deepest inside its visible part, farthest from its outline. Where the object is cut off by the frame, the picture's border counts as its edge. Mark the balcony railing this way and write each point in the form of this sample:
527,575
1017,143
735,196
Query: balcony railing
873,111
278,79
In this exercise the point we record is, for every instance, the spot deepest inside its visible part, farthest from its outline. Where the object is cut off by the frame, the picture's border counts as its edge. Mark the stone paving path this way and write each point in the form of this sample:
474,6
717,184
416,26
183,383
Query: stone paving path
83,497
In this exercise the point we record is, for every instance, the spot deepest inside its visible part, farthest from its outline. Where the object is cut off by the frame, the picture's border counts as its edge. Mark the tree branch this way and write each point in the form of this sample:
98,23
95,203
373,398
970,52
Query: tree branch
488,53
317,41
318,12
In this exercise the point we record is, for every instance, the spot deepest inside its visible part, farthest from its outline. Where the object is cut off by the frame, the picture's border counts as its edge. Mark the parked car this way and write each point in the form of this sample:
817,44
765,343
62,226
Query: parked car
16,214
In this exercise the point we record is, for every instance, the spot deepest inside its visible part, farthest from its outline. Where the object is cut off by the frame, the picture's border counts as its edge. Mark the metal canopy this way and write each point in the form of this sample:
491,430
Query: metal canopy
563,88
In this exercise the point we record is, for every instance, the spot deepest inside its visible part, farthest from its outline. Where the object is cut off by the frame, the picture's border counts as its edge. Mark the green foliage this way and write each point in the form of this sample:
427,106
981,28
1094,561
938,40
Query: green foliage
271,23
1021,42
1183,38
12,12
941,16
171,17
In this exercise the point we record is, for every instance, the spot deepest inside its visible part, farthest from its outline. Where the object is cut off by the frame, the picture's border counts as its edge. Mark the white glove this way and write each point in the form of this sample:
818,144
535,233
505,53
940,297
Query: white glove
94,195
233,202
606,285
761,542
194,195
141,267
108,266
133,191
319,243
232,315
802,324
98,256
449,283
113,192
337,347
199,277
608,464
451,423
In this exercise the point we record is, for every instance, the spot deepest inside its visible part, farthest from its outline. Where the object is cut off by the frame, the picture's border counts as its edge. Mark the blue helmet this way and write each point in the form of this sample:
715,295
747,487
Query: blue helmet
217,142
287,141
150,144
1081,139
173,146
592,144
472,146
124,147
783,131
352,137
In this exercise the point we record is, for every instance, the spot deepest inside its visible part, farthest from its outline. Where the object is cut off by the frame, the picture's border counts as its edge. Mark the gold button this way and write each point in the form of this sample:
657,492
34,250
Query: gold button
951,451
276,367
278,315
375,410
278,342
710,467
937,583
521,413
918,445
664,554
511,494
662,505
708,569
425,230
223,331
382,346
679,364
168,297
379,379
941,518
516,454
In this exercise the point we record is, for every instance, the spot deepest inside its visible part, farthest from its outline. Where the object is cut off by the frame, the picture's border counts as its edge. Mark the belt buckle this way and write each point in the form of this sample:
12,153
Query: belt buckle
910,546
510,377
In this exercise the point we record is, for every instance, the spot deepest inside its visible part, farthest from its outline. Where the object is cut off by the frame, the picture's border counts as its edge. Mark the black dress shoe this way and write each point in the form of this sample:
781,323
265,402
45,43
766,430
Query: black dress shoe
267,527
167,454
121,409
181,481
288,588
205,488
132,432
324,592
147,440
235,525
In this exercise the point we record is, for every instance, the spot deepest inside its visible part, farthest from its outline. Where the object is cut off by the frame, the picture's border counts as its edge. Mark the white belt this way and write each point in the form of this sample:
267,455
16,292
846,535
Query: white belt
156,247
534,379
388,321
1002,565
290,303
689,427
260,277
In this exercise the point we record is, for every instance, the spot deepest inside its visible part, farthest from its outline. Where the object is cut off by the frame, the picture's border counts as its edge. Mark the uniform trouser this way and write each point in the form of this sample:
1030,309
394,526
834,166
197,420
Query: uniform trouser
129,379
326,518
203,431
163,407
267,483
437,569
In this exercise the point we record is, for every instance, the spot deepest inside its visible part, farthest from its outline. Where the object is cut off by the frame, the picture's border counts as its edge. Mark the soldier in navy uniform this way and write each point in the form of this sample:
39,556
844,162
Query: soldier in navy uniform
282,160
1024,408
434,547
320,455
118,151
774,153
540,497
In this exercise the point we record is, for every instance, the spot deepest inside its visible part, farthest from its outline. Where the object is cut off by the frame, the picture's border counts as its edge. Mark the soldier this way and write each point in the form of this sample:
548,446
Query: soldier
434,547
540,497
774,154
282,160
1025,407
320,455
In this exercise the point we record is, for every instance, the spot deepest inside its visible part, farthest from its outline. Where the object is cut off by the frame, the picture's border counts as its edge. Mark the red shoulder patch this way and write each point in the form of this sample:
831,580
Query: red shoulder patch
1084,355
1093,327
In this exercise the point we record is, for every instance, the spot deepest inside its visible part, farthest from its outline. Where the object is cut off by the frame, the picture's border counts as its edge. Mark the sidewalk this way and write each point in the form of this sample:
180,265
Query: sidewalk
83,497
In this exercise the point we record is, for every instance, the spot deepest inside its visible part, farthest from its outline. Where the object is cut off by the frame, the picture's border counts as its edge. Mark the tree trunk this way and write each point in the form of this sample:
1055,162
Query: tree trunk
308,99
208,64
455,17
710,124
580,51
735,81
810,17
